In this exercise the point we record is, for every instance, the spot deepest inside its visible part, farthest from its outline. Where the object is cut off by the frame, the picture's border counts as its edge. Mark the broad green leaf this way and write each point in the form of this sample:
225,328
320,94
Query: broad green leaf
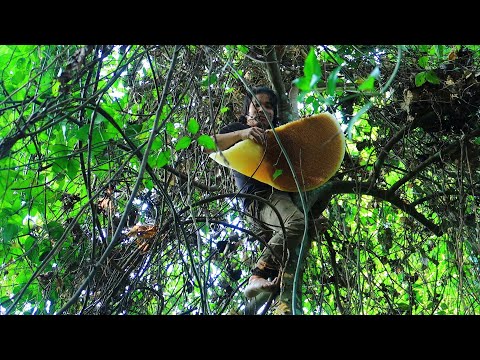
403,306
9,232
312,72
32,254
332,81
148,183
242,49
223,110
56,88
368,84
183,143
18,77
59,165
439,50
331,57
31,148
193,126
420,78
354,119
132,130
207,142
163,158
312,66
109,132
72,168
99,119
302,83
45,85
431,77
313,80
23,184
171,130
157,143
277,173
55,230
329,100
212,79
423,61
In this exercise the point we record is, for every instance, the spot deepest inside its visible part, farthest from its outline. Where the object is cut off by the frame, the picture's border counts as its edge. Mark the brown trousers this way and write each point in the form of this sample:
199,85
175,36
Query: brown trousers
267,219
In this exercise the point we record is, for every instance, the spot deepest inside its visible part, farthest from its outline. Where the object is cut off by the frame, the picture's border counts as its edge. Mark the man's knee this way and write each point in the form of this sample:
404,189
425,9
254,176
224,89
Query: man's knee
296,223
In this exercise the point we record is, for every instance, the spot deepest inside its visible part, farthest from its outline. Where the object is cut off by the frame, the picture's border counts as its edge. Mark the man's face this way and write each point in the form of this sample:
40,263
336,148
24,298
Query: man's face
258,116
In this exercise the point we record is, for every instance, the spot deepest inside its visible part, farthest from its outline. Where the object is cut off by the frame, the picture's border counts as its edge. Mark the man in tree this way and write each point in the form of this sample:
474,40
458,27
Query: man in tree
258,107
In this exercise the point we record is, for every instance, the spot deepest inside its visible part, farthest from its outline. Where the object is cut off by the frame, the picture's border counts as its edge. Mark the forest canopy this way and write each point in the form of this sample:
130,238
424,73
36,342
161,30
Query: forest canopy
109,203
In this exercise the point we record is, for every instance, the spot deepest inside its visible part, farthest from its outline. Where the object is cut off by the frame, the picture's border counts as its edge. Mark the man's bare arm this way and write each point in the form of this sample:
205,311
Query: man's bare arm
224,141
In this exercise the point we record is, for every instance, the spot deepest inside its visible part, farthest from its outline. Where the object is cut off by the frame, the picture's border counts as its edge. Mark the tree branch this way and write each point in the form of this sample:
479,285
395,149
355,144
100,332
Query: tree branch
275,77
434,158
351,187
384,152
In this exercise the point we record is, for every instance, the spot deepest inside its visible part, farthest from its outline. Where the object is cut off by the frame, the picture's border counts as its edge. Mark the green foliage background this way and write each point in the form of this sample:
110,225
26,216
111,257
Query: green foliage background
97,139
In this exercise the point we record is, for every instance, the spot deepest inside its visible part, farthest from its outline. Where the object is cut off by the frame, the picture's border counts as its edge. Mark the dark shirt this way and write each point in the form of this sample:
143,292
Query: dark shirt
244,183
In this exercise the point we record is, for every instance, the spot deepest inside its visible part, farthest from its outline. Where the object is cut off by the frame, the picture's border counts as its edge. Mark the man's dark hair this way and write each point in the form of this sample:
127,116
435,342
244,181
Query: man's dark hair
248,99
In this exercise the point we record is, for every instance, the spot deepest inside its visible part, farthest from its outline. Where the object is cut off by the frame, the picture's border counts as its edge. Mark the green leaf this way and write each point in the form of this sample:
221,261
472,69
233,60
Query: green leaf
329,100
302,83
212,79
72,168
313,80
171,130
45,86
55,230
312,66
18,77
242,49
354,119
420,78
163,158
29,243
309,100
183,143
403,306
148,184
132,130
331,57
157,143
439,49
9,232
207,142
32,254
193,126
31,148
332,81
369,83
99,119
277,173
59,165
432,77
56,88
312,72
82,133
423,61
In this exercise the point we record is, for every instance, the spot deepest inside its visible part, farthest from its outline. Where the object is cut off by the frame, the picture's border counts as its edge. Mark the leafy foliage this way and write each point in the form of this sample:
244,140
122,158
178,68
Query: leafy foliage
109,205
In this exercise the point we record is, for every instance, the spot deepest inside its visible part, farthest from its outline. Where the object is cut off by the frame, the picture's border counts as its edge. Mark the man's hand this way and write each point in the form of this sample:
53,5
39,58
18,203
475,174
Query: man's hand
254,133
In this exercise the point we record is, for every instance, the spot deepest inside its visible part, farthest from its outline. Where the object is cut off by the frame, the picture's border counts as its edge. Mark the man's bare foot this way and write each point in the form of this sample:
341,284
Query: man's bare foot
257,285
